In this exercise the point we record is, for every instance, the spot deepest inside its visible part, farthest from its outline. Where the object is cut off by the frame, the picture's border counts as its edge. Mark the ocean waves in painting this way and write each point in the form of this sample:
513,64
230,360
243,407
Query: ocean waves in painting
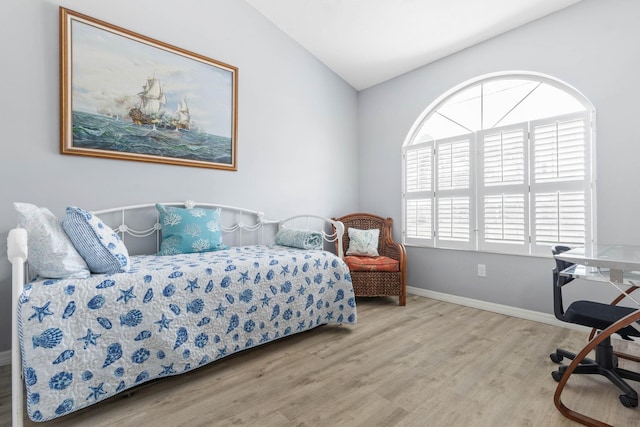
109,133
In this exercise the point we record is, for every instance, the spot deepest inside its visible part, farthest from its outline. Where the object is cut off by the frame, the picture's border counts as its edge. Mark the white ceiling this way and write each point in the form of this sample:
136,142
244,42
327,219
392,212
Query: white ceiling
369,41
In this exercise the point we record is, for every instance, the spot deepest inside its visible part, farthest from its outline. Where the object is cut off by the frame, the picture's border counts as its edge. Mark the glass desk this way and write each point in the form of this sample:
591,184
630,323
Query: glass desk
620,262
599,274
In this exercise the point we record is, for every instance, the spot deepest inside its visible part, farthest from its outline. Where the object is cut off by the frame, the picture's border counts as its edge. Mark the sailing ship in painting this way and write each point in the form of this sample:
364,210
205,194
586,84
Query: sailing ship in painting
150,109
152,130
183,116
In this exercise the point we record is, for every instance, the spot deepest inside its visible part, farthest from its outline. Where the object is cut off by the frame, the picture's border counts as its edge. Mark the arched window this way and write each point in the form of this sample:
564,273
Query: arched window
502,163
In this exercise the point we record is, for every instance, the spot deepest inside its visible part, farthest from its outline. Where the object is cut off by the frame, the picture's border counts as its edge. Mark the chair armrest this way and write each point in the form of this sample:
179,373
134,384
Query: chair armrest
393,249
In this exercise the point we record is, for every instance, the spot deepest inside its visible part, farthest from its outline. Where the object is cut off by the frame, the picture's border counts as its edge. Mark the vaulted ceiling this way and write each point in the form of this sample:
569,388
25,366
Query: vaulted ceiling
369,41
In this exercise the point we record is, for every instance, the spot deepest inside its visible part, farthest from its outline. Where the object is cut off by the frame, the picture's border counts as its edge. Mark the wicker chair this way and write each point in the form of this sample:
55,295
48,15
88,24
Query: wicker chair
369,280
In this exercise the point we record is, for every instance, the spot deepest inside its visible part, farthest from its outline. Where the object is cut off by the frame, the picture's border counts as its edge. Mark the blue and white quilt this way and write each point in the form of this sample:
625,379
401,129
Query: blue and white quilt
84,340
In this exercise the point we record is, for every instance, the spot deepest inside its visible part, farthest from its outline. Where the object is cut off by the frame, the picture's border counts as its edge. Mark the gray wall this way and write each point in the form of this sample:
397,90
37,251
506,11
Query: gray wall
592,46
297,120
302,127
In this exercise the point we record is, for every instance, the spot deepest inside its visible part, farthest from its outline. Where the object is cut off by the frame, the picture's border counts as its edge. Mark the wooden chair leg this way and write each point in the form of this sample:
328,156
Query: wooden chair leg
569,413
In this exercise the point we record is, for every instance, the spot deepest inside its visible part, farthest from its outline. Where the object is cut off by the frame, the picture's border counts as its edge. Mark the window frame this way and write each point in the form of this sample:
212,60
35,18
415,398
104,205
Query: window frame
477,240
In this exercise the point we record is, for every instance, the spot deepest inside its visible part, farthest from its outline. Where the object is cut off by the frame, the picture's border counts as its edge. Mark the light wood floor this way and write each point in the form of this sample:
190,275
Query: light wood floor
427,364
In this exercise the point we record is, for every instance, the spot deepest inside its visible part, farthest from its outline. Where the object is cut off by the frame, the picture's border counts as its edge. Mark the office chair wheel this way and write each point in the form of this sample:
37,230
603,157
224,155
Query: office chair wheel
556,358
628,401
557,375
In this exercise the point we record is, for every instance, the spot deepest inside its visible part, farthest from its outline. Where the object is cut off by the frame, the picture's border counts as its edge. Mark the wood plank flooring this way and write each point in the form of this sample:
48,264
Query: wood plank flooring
430,363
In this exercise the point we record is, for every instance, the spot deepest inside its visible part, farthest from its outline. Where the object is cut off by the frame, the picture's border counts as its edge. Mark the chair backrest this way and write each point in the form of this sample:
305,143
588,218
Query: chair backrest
559,281
364,221
560,265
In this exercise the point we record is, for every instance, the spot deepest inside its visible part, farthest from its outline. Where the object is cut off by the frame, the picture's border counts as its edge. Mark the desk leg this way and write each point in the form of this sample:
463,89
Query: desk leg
615,275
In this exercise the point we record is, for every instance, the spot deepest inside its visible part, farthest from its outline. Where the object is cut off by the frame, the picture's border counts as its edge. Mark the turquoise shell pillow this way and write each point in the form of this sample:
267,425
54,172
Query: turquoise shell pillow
187,231
363,242
96,242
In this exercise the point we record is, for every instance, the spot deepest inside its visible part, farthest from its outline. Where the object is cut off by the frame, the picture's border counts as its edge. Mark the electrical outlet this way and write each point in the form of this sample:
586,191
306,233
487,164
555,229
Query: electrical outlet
482,270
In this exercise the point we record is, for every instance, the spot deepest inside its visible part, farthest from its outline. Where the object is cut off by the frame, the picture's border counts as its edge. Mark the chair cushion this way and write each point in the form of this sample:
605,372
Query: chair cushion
366,263
600,316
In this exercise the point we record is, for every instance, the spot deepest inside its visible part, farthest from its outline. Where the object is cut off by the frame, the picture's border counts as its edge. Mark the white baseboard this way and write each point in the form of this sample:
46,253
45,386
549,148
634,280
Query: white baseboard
521,313
5,357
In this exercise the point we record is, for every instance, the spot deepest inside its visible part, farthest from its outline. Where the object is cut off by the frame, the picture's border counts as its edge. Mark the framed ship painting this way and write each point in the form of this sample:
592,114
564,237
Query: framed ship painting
127,96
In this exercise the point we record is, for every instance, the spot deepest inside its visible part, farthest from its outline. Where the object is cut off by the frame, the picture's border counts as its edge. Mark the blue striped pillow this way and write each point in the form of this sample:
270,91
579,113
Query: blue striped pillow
101,248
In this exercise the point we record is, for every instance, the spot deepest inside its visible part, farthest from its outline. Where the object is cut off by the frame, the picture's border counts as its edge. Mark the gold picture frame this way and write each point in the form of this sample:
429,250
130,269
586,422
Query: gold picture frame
127,96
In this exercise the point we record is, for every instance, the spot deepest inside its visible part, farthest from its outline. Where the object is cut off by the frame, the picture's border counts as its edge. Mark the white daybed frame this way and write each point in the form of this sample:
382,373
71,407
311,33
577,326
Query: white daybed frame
239,226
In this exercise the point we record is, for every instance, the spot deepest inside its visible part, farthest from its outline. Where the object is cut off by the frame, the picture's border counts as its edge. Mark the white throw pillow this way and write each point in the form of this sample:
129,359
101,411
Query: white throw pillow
363,242
51,253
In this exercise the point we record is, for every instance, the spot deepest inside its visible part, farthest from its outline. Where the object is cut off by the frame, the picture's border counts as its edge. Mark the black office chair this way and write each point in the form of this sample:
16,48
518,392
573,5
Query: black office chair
595,315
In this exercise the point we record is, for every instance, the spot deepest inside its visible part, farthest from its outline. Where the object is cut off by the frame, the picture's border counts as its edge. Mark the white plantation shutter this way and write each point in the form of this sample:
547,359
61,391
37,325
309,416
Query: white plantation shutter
503,219
454,163
454,219
454,193
516,189
560,218
419,169
560,152
419,219
419,194
559,149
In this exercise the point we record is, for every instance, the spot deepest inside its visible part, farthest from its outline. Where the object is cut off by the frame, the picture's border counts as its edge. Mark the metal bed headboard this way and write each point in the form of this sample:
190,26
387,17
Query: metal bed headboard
139,225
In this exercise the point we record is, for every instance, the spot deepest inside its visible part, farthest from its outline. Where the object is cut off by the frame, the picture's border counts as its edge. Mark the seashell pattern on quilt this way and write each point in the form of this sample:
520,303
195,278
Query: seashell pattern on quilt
84,340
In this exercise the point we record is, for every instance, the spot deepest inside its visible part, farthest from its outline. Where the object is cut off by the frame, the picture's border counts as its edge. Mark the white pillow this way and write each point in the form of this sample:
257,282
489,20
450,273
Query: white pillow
51,253
363,242
99,245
